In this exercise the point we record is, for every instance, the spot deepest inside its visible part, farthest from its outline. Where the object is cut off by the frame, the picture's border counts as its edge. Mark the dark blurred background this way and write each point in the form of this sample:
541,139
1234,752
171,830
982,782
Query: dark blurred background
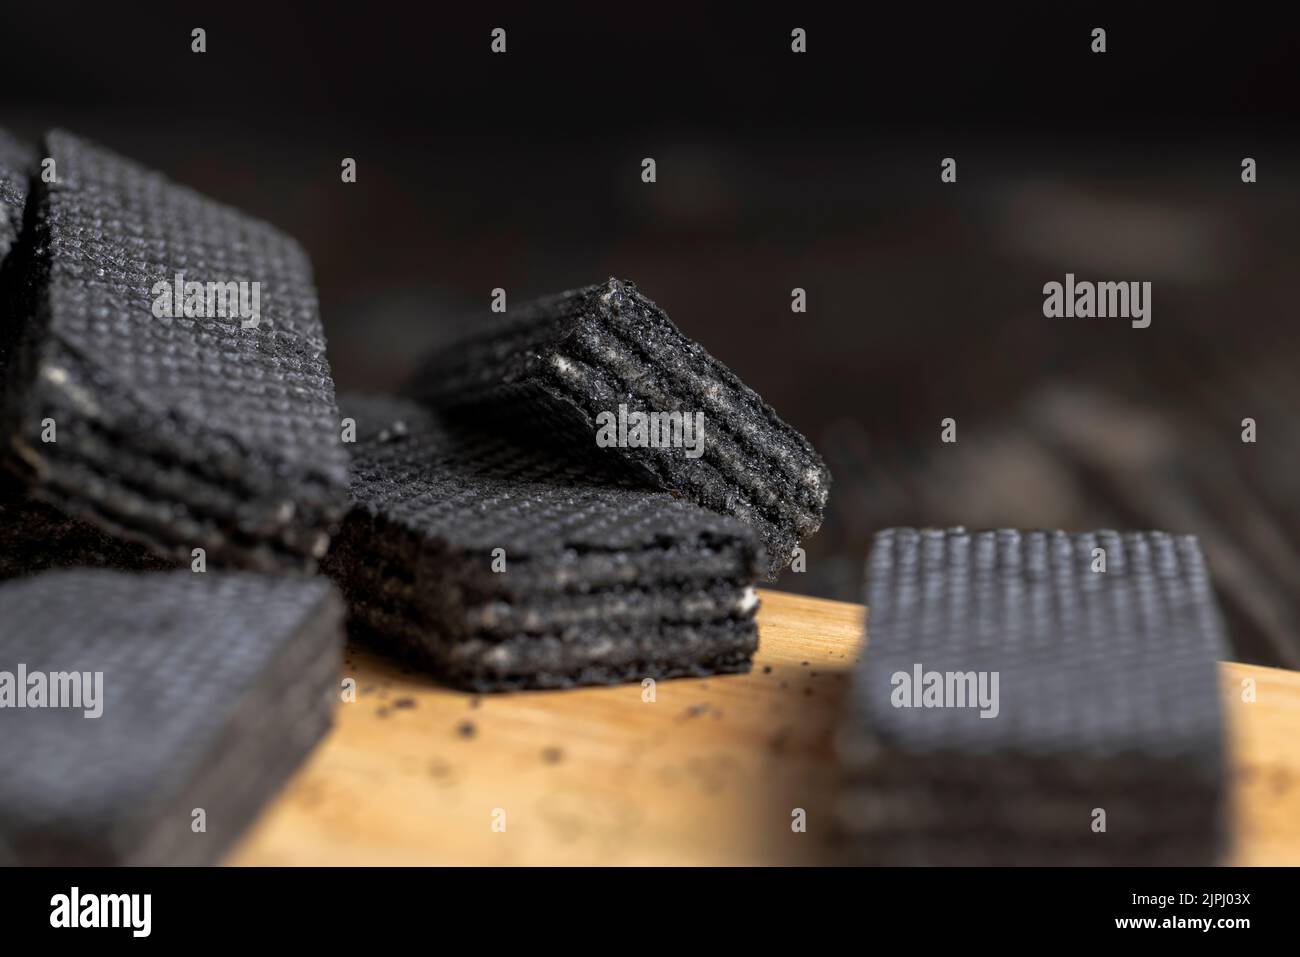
778,170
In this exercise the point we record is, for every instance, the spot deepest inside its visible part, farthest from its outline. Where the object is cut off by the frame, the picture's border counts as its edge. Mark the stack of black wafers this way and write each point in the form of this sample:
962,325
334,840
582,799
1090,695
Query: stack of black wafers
1036,698
501,567
599,357
148,717
167,382
166,401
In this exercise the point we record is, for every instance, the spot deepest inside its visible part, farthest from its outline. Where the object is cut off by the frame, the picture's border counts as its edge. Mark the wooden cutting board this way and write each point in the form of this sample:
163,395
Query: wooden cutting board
708,772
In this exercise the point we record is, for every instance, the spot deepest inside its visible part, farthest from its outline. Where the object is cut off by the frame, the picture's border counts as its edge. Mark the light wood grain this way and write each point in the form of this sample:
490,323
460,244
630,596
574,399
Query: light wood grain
707,773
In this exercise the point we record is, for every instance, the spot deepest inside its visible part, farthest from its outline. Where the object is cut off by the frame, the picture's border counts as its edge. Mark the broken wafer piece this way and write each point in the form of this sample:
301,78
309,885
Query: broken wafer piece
169,384
134,706
1036,698
499,567
603,368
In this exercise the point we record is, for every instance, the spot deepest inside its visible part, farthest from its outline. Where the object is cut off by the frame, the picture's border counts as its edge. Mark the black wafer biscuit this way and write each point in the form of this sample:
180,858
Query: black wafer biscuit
499,567
1014,700
214,427
214,688
565,361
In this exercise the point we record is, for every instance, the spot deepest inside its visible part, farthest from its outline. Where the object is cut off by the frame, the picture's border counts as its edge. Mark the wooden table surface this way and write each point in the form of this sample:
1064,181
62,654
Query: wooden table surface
706,773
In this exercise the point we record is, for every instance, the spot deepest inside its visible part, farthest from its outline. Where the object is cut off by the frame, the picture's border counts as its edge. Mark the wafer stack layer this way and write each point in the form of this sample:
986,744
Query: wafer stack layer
212,690
216,429
500,567
36,537
16,162
561,363
1101,741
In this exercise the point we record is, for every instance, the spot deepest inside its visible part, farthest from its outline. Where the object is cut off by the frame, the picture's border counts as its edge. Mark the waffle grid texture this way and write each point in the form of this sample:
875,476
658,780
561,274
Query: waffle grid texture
173,433
556,364
604,581
196,668
1107,698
